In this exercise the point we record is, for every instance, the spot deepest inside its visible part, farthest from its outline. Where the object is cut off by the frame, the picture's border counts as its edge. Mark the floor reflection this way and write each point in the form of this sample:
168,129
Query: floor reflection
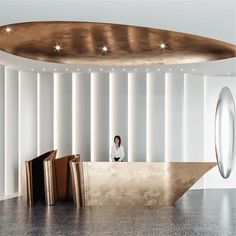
198,212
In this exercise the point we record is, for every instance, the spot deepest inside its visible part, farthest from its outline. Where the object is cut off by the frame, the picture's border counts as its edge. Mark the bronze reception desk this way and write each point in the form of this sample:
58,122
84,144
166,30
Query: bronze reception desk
133,183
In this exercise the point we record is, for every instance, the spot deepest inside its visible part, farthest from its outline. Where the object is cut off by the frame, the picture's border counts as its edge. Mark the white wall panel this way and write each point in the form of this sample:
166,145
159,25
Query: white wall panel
81,115
2,125
213,86
100,117
45,112
63,113
11,132
174,117
155,117
137,116
27,119
194,121
119,109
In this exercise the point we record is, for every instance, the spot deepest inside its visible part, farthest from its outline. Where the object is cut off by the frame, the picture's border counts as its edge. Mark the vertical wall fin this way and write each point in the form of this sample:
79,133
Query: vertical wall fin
81,119
174,89
155,117
63,113
2,129
11,132
100,117
45,110
28,120
137,116
118,102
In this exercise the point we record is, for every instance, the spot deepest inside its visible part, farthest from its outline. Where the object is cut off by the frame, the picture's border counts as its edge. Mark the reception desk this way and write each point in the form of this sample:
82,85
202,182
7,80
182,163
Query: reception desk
133,183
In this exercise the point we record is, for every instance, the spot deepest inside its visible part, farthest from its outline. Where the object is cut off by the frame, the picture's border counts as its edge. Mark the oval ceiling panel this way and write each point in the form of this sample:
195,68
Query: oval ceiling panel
108,44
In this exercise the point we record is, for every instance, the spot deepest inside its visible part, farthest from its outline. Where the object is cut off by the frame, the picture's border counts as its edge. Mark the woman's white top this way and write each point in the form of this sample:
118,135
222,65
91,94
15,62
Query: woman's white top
117,152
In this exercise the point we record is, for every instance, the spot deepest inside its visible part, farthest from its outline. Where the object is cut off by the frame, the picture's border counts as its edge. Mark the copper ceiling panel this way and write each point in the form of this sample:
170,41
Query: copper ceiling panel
81,43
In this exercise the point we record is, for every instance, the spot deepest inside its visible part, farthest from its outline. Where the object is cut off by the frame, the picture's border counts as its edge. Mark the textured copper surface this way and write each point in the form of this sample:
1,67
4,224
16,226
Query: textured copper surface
81,43
135,183
35,177
57,177
77,181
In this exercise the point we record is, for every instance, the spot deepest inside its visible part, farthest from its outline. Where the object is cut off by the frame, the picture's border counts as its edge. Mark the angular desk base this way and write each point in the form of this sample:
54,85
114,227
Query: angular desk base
134,183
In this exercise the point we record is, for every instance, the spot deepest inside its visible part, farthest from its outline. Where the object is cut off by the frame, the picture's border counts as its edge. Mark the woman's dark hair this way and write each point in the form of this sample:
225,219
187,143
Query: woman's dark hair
119,138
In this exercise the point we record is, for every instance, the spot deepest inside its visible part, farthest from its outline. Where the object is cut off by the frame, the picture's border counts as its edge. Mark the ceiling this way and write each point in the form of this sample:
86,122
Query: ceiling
214,19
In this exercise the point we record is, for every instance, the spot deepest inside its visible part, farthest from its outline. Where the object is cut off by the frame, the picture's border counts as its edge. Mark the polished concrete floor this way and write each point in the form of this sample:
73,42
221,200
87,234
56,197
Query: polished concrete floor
198,212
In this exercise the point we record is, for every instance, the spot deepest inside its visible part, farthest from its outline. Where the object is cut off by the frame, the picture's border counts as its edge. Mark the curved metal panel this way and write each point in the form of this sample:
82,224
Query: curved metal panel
89,43
225,132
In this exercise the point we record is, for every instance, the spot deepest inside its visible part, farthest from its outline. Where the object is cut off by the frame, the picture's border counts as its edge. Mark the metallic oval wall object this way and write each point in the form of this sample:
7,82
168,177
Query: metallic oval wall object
225,122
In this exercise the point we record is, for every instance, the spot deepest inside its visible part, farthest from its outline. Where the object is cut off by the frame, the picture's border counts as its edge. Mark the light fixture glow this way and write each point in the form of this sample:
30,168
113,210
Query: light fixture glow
66,69
162,46
228,73
181,69
8,29
44,69
32,69
105,49
57,47
101,69
78,69
124,69
158,69
170,69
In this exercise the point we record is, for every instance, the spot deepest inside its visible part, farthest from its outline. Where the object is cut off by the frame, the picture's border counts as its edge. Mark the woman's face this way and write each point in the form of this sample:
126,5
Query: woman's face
117,141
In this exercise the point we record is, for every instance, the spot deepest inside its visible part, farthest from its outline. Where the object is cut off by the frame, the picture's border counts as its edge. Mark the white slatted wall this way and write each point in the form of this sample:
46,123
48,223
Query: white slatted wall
160,117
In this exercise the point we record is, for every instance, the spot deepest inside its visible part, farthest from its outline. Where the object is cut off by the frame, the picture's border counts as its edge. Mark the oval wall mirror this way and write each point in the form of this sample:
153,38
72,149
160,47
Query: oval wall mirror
225,132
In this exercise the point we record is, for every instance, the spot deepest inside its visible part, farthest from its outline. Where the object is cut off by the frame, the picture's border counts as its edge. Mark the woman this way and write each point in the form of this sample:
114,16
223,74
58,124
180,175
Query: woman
117,151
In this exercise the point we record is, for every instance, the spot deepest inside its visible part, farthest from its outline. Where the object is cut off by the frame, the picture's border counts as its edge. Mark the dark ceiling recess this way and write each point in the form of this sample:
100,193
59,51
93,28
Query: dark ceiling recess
107,44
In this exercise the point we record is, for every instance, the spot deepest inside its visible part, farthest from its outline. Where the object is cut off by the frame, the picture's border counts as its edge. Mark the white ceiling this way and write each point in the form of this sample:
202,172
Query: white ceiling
211,18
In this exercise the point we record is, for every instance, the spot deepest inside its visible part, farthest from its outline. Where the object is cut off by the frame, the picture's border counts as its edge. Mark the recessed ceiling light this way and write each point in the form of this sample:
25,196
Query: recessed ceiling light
57,47
105,49
44,69
8,29
162,46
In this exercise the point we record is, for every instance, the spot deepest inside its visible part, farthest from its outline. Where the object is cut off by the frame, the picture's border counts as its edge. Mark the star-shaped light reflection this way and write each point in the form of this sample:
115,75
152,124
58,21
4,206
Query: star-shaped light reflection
162,46
8,29
105,49
57,48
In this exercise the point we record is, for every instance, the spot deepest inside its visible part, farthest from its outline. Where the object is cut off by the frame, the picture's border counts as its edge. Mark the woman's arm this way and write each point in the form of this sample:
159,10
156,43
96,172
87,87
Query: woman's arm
122,154
112,153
